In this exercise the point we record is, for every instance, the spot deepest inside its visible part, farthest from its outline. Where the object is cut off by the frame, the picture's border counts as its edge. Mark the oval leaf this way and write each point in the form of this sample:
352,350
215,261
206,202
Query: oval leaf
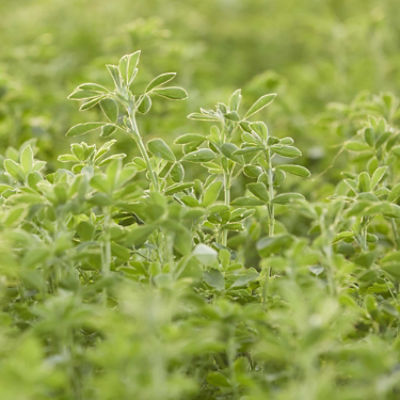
286,151
259,190
160,80
81,129
261,103
273,244
160,149
293,169
171,92
286,198
201,155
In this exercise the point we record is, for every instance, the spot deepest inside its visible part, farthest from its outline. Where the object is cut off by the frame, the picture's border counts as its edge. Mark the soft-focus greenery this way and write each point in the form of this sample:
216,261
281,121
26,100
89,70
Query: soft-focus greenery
210,257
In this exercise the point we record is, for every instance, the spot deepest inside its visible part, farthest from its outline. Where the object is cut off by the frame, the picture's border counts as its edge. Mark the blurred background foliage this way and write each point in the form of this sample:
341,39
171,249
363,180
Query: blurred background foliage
310,52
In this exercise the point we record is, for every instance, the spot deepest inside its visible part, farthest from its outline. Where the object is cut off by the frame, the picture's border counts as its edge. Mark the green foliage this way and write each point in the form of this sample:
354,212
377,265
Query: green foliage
226,258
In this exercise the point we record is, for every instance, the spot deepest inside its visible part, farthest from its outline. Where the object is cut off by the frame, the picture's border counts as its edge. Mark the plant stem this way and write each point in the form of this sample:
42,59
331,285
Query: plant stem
395,232
271,211
363,233
143,152
227,199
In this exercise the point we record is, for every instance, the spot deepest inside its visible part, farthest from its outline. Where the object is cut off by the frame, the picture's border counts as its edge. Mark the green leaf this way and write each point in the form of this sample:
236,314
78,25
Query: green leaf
252,171
369,136
235,99
353,145
115,75
201,155
287,198
391,263
232,116
245,278
15,215
249,150
67,158
86,91
160,80
393,256
90,103
117,156
286,151
387,209
160,149
364,182
396,150
205,254
202,117
177,172
293,169
120,252
191,138
110,109
171,92
215,279
112,172
182,239
85,231
382,138
100,183
377,176
128,66
394,193
26,159
35,257
273,245
139,234
13,169
190,201
217,379
145,104
347,236
178,187
211,194
252,138
261,103
259,130
107,130
229,150
247,202
259,190
81,129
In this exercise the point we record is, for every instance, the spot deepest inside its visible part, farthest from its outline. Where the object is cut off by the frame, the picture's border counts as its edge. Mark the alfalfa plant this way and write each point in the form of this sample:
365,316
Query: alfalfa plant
121,106
235,144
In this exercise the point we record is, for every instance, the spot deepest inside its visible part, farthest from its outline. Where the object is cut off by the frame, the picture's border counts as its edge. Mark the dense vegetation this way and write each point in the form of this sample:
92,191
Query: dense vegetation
186,239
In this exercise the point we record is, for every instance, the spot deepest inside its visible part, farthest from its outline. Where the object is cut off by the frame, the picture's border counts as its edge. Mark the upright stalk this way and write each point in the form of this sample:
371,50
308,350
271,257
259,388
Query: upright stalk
395,232
271,211
142,148
226,180
227,199
362,236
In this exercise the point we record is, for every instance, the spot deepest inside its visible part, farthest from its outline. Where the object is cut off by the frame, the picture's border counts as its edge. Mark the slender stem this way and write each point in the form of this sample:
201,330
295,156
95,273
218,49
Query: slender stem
227,180
271,211
395,232
143,152
364,233
327,251
227,199
227,188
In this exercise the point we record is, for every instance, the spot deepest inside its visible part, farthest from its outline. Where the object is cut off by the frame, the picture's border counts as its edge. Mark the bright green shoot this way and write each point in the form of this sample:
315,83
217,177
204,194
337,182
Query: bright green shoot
122,104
